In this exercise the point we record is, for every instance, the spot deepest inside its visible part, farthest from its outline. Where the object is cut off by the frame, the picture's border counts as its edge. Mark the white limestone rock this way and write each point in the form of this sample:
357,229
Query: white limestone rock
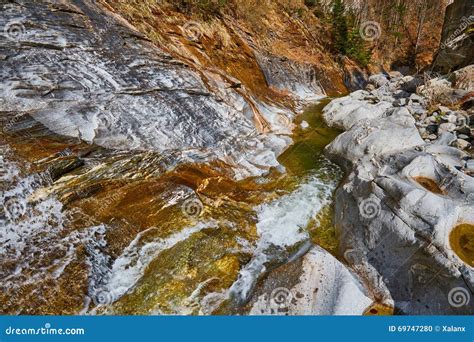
378,80
397,205
325,287
344,112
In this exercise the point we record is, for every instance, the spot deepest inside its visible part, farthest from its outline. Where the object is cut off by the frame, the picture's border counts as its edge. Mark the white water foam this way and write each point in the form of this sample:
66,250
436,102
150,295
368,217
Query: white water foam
129,267
282,224
33,234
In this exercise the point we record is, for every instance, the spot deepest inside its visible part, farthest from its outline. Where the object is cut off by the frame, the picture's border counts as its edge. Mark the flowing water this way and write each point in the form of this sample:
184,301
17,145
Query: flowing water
144,233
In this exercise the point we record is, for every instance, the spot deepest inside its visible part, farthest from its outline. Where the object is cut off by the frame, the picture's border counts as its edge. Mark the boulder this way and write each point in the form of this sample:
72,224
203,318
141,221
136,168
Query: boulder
463,78
396,208
378,80
325,287
462,144
446,127
346,111
456,38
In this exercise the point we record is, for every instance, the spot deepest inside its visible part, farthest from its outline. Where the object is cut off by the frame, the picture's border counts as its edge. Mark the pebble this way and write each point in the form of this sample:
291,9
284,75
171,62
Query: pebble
446,127
304,124
452,118
464,130
432,129
462,144
416,98
444,109
400,102
370,87
395,74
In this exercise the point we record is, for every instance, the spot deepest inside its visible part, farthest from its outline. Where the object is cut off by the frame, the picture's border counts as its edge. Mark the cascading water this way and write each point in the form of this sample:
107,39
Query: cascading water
180,241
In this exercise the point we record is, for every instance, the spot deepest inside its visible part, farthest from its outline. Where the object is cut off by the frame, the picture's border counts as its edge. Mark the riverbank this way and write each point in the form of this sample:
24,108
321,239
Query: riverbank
404,199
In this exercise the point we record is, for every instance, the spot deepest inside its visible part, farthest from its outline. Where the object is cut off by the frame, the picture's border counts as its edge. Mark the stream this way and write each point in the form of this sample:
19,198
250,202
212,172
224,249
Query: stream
94,231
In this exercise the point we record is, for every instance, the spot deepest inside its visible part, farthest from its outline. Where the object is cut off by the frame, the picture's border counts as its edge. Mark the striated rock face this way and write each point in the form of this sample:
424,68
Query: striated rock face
286,75
457,38
87,74
400,201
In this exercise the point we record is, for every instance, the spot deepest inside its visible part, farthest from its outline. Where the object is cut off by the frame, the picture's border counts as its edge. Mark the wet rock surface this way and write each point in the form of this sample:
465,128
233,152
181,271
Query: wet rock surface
403,196
125,169
148,174
324,287
84,73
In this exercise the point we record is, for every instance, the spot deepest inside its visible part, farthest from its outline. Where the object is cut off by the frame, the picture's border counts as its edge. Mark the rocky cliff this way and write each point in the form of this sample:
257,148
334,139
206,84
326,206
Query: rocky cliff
457,38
